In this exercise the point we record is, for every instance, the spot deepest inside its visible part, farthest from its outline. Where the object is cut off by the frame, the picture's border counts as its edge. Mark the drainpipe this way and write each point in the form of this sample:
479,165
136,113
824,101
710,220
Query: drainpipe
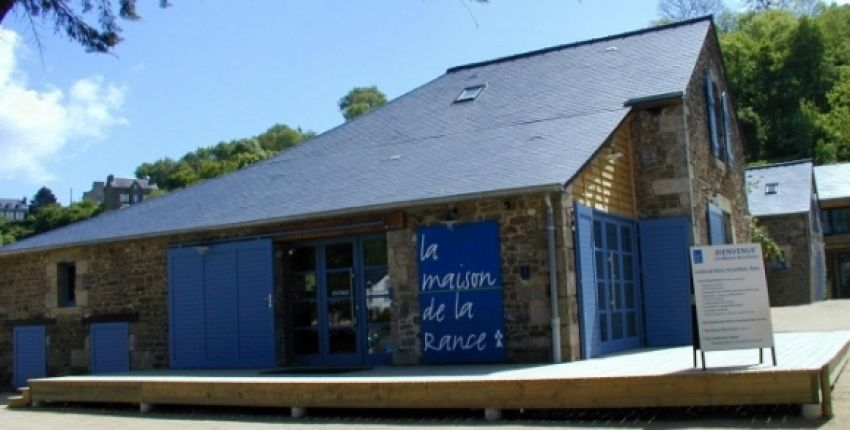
553,281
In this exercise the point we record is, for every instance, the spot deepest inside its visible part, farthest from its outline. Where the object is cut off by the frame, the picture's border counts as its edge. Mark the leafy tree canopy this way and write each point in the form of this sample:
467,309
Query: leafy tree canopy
43,197
361,100
73,18
679,10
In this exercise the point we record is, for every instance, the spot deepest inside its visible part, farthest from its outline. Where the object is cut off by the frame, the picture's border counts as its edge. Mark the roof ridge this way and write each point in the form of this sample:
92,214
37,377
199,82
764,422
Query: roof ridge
579,43
781,164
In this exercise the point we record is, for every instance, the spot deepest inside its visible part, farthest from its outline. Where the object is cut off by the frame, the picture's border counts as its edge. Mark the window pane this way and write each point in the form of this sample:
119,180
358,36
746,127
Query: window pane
600,265
631,324
378,309
630,295
825,221
597,234
601,296
339,255
611,233
305,342
339,314
628,267
617,326
339,284
342,341
603,326
302,259
379,340
305,315
626,235
377,282
375,251
303,285
840,221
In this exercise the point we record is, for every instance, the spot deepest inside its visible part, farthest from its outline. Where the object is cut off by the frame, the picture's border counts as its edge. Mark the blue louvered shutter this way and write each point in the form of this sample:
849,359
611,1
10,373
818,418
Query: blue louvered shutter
110,347
186,308
588,308
716,234
727,128
666,280
29,358
712,115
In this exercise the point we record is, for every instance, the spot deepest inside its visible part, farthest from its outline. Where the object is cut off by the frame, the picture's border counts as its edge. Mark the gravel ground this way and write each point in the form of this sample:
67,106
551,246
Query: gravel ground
825,316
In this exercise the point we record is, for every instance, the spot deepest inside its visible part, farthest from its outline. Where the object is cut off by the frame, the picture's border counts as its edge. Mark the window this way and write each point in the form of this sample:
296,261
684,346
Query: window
771,188
719,226
719,120
470,93
66,278
835,221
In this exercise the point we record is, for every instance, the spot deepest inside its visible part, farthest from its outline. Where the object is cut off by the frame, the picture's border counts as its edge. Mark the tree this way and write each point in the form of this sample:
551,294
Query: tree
42,198
680,10
361,100
72,20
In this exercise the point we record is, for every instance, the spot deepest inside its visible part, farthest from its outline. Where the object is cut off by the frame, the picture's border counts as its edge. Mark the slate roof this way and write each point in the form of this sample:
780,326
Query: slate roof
794,194
128,182
12,204
541,118
833,181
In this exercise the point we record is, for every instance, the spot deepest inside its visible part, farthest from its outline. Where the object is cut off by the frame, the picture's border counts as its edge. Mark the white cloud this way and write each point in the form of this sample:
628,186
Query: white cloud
38,126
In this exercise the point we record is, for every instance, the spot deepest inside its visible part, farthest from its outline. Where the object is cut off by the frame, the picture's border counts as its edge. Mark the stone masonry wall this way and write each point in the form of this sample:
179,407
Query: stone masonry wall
713,181
128,280
793,284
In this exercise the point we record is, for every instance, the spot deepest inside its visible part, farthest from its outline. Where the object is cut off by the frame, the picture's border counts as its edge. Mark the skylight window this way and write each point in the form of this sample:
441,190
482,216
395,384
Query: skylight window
470,93
771,188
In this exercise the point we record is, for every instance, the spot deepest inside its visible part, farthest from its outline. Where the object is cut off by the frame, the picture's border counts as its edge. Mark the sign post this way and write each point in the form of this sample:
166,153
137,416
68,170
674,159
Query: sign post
460,293
733,309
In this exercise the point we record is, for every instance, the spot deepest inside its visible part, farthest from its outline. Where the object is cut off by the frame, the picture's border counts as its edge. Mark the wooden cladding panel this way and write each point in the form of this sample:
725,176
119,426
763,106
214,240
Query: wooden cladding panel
607,182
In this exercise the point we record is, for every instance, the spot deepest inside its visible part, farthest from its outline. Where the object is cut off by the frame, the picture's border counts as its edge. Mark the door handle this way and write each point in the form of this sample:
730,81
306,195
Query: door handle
269,300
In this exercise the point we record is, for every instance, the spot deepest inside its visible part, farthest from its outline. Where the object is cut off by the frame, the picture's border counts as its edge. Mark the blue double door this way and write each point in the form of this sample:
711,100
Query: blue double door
634,282
340,302
222,305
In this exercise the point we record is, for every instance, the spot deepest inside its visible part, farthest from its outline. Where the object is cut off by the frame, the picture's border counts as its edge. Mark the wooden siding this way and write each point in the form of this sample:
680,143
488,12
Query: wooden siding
607,182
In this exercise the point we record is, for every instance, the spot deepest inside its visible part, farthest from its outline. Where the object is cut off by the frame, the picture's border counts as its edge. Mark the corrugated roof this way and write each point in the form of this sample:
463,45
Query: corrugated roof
793,188
542,117
833,181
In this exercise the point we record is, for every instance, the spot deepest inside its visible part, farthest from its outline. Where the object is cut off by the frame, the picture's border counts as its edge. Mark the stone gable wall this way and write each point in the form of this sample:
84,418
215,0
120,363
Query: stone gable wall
713,181
793,284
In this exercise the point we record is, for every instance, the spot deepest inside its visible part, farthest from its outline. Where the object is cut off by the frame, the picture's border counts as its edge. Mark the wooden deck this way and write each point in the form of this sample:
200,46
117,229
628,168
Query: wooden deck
808,365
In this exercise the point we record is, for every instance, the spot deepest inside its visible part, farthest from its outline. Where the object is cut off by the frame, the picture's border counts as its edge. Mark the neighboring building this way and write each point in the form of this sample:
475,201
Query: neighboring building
14,209
834,193
118,193
783,199
490,215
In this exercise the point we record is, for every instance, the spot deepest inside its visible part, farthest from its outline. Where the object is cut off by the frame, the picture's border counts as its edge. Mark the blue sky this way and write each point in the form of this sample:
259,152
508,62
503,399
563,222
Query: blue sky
202,72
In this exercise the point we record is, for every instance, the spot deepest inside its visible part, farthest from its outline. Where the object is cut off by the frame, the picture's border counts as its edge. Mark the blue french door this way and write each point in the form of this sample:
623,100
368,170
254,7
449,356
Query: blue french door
610,294
340,302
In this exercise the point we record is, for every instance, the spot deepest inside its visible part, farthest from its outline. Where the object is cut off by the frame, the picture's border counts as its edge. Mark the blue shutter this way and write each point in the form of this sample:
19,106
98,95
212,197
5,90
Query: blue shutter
110,347
29,358
716,234
727,128
186,308
712,115
588,309
220,306
666,280
255,278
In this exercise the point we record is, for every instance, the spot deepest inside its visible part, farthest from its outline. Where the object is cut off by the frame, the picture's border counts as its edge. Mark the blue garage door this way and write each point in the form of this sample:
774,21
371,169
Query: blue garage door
221,306
110,347
29,359
666,272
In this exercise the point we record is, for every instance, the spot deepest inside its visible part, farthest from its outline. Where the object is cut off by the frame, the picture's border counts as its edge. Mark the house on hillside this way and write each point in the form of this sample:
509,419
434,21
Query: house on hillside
784,200
14,209
532,208
834,193
119,193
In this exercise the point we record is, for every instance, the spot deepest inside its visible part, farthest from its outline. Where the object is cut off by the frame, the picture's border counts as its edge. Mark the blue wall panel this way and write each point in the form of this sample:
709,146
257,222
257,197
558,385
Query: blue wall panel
29,357
666,273
110,347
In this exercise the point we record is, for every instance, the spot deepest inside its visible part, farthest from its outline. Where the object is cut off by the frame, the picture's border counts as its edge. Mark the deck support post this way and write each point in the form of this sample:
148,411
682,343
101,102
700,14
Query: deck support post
298,412
492,414
145,407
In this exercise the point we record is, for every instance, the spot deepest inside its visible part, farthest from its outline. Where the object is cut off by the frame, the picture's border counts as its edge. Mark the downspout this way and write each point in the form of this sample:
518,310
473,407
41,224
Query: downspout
553,280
